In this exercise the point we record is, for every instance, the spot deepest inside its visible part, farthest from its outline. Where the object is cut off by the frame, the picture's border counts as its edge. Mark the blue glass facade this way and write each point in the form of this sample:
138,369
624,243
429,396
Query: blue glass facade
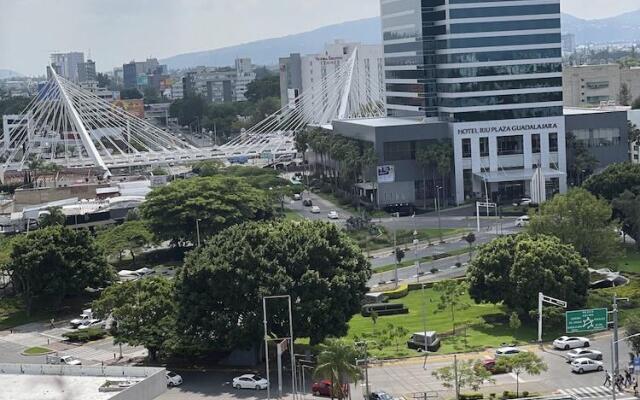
452,58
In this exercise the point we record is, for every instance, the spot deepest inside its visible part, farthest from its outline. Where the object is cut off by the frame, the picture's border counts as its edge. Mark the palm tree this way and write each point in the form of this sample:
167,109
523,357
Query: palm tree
444,158
336,362
52,217
425,159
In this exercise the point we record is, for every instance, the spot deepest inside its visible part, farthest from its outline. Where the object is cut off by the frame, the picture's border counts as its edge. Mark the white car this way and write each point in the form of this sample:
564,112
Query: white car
315,210
297,196
584,353
173,379
582,365
525,201
68,360
250,381
509,351
333,215
92,323
144,271
523,221
84,317
570,342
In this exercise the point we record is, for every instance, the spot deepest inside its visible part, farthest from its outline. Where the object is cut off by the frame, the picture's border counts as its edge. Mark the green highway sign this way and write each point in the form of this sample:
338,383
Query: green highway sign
586,320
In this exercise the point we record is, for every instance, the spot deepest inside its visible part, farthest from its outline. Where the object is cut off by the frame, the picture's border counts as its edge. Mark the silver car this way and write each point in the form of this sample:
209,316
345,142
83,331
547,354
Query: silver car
582,365
584,353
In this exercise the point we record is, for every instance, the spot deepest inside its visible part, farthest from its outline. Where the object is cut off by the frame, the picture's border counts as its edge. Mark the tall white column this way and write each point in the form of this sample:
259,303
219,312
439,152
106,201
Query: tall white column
493,154
457,157
528,150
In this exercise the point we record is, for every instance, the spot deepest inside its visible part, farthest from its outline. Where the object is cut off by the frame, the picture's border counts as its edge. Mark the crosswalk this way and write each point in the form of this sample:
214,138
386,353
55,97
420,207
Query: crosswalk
595,392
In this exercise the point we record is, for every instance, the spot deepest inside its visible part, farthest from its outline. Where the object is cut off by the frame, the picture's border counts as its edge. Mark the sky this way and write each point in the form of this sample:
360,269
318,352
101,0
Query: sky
118,31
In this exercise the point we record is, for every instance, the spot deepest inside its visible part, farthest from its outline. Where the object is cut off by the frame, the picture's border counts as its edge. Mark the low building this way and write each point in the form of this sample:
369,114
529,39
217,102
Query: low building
54,382
592,85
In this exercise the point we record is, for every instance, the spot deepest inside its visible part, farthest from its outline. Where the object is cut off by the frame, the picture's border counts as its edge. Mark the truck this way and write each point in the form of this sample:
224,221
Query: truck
86,315
424,341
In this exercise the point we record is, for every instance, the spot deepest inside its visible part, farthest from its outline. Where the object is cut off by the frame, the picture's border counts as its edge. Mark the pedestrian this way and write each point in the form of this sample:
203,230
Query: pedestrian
620,383
52,325
635,387
627,378
607,378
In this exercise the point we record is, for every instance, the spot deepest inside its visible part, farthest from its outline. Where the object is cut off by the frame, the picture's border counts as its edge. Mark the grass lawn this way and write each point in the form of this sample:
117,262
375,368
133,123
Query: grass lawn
291,215
36,351
384,238
487,326
12,314
629,260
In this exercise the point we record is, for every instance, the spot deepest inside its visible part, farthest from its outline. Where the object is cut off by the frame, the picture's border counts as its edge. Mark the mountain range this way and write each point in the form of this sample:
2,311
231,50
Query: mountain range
622,28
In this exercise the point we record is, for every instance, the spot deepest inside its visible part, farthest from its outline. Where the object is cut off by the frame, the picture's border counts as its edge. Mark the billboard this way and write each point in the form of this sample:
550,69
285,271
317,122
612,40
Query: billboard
386,173
134,107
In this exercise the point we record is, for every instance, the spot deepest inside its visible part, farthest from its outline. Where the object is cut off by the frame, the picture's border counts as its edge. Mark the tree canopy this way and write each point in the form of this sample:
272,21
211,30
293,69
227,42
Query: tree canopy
261,88
220,288
52,217
143,313
56,261
582,220
513,269
614,180
216,202
129,236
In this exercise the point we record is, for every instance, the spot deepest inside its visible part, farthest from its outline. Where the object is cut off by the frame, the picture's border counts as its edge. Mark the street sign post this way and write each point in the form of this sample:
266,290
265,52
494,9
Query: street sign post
586,320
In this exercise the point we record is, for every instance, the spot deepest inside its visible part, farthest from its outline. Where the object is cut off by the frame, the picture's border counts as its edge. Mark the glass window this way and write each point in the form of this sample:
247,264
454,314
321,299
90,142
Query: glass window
401,47
484,147
400,34
499,70
502,55
535,143
498,100
491,115
411,74
466,148
498,85
481,27
597,99
396,61
504,11
603,137
408,101
405,87
509,145
397,151
553,142
498,41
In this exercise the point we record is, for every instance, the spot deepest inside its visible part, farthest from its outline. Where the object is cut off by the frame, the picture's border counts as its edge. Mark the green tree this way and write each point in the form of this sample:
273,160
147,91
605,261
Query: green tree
336,362
627,207
636,104
103,80
470,238
188,110
634,131
56,262
582,220
614,180
151,95
52,217
470,374
632,327
217,202
580,162
129,236
395,334
453,295
143,311
514,321
208,168
221,285
624,95
513,269
262,88
525,361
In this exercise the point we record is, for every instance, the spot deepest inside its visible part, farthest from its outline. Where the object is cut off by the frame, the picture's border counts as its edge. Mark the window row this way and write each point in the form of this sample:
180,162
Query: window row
496,115
498,100
514,40
481,27
498,85
499,70
504,11
604,137
509,145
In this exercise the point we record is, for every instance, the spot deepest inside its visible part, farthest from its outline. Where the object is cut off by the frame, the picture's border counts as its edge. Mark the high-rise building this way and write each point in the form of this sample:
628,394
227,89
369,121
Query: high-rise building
66,64
308,73
87,71
244,76
129,75
219,84
569,43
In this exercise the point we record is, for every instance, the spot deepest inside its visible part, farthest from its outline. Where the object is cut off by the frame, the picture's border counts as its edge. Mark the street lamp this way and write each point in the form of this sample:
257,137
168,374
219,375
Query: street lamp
438,188
198,229
266,346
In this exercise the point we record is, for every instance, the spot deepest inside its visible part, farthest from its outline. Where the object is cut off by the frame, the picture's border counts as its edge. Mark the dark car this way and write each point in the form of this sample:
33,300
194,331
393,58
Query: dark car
380,396
307,202
323,388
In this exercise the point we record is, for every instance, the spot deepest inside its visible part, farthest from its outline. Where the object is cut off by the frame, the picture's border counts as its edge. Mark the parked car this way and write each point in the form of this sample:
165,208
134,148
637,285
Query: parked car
508,351
582,365
85,316
92,323
64,360
523,221
315,210
333,215
491,365
324,388
424,341
525,201
250,381
173,379
145,271
307,202
570,342
380,396
297,196
584,353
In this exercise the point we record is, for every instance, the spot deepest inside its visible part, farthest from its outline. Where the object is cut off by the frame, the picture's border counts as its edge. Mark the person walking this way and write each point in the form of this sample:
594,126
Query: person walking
635,387
627,378
620,383
607,378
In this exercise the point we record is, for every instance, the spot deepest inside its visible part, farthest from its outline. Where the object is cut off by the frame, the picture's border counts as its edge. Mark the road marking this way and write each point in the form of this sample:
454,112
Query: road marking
514,376
594,392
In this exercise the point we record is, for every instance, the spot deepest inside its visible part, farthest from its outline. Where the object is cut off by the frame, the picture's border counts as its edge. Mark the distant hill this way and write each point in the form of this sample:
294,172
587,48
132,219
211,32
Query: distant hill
622,28
7,73
267,52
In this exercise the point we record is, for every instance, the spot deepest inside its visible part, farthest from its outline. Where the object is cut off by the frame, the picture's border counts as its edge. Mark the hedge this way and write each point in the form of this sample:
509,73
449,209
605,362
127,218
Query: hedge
471,396
85,335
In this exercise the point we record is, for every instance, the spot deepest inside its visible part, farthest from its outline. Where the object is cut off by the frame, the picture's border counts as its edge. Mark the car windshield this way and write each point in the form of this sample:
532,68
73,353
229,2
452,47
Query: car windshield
256,377
384,396
171,374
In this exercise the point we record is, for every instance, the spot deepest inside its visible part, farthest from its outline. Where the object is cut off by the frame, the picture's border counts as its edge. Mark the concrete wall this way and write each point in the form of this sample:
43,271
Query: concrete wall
150,388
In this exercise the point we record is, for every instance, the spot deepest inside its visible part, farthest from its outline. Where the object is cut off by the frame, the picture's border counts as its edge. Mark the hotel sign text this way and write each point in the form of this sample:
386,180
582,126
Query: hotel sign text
507,128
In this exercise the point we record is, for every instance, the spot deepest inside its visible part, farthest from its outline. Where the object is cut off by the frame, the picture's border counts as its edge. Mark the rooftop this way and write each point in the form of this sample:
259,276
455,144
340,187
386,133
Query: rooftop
597,110
386,121
53,387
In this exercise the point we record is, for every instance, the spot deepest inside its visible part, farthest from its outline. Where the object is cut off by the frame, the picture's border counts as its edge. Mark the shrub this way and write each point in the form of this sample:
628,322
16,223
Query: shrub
434,270
85,335
492,395
398,293
471,396
441,255
525,394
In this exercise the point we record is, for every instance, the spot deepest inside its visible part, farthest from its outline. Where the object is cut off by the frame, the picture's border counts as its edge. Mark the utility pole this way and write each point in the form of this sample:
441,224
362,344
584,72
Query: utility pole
424,327
198,230
615,365
438,210
455,375
549,300
395,249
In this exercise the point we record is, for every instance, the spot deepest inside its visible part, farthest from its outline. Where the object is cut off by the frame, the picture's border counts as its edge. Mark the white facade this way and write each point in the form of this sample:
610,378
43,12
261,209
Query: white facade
318,71
67,64
244,76
480,158
591,85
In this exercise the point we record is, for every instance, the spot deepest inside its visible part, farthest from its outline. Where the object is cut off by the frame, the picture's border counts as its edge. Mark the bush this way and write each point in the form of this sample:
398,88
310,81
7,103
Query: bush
441,255
434,270
398,293
525,394
85,335
471,396
509,395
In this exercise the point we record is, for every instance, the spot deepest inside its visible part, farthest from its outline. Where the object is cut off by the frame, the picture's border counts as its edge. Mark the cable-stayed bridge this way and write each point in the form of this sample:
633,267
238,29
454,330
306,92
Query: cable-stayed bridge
74,128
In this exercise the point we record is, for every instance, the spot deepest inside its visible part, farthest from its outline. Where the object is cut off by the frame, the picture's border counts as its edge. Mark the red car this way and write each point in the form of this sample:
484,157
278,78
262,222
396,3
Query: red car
323,388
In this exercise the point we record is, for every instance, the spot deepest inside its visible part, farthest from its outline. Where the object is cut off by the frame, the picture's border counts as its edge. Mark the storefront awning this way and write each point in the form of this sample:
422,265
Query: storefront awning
517,175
